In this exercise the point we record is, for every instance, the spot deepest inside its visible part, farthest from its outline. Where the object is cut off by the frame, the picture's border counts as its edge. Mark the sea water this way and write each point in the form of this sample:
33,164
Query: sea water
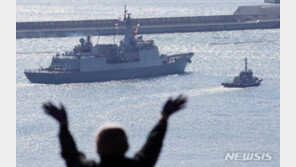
216,120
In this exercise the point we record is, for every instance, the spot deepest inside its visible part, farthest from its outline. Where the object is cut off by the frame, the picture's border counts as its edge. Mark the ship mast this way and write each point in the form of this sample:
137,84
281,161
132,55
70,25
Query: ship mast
246,65
124,15
129,41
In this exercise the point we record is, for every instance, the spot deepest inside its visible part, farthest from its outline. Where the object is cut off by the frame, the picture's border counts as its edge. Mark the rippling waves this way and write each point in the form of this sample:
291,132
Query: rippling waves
217,120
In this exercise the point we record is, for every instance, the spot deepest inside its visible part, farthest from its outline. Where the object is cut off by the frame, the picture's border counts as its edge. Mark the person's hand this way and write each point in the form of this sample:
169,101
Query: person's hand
173,105
58,114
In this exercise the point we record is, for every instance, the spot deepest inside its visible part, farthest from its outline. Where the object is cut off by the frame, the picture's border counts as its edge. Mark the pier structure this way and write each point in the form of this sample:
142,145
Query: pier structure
245,17
272,1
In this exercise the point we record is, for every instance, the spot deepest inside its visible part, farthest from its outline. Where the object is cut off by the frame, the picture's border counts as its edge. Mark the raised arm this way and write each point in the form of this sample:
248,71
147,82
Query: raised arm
149,154
69,150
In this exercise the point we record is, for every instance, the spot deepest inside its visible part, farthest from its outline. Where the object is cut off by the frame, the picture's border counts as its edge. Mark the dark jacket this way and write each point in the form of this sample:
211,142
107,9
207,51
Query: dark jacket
146,157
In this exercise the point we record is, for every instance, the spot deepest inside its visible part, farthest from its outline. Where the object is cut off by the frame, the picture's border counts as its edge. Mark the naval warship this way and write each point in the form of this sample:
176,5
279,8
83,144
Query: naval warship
245,79
133,58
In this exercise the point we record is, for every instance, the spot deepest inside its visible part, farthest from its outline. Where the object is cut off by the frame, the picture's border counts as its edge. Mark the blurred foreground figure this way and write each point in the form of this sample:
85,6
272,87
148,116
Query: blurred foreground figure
112,140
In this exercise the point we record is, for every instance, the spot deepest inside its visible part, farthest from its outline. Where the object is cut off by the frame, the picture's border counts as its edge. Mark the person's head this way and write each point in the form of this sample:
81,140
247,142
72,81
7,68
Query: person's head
112,140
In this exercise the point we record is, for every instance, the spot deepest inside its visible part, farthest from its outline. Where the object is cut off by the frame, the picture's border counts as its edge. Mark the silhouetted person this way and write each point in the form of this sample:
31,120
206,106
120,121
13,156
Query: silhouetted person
112,140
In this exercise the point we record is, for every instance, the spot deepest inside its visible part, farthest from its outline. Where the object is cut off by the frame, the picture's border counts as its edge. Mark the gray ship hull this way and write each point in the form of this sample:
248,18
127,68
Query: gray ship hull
241,85
46,77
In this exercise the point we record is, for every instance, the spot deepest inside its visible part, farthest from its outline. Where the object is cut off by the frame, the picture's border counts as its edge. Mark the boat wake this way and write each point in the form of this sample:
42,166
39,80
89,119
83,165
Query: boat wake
209,91
194,92
206,91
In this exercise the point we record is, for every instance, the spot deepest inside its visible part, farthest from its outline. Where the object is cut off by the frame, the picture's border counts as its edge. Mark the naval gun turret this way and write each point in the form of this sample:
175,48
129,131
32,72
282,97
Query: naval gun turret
133,58
85,46
245,79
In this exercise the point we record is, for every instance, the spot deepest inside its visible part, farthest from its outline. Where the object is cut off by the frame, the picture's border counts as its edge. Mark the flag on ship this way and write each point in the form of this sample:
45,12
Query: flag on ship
136,30
116,28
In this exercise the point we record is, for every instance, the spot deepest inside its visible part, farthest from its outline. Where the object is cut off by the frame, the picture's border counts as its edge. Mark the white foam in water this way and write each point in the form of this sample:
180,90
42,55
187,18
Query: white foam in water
195,92
210,91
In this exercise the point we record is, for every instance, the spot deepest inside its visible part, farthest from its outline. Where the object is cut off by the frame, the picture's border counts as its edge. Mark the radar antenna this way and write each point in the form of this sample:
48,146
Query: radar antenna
246,64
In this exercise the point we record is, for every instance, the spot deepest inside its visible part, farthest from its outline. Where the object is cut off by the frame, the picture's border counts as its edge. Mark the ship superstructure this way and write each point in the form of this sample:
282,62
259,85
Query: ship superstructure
133,58
245,79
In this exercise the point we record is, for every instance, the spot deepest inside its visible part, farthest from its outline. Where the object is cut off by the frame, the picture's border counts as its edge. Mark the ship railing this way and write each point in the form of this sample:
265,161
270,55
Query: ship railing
228,80
47,70
182,55
36,70
172,58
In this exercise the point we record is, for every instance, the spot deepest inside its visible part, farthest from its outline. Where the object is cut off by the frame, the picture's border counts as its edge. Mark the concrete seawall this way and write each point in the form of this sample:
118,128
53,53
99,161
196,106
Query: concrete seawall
248,17
272,1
